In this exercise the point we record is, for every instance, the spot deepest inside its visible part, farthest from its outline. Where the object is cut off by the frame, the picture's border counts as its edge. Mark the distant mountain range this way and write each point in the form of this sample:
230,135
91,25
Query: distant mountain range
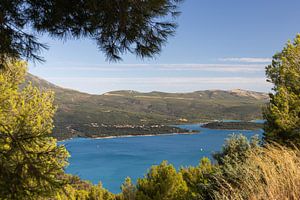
126,112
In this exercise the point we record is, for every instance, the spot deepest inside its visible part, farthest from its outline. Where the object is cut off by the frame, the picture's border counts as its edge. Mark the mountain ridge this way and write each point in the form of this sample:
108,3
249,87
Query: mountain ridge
127,111
242,92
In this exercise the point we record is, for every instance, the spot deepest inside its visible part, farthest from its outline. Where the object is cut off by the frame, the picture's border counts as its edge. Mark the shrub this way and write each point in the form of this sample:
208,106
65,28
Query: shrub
199,179
235,149
162,182
272,172
128,190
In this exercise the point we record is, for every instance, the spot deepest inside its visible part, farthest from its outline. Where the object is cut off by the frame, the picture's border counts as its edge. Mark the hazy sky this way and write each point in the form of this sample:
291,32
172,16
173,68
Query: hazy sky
220,44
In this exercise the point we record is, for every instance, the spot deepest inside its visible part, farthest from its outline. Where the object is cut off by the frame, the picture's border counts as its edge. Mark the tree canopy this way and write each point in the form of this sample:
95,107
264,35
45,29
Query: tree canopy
117,26
161,182
283,112
31,164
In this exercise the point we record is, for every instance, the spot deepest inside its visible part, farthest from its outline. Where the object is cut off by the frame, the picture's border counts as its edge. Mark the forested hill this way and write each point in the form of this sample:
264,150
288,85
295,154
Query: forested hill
80,113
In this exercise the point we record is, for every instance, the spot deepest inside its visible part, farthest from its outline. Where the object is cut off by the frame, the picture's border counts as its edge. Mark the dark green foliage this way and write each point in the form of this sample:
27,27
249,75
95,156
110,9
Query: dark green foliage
283,112
234,125
135,26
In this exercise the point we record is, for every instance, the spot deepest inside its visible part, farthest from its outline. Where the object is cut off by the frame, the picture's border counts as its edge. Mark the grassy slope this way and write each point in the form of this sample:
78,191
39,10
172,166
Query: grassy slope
77,109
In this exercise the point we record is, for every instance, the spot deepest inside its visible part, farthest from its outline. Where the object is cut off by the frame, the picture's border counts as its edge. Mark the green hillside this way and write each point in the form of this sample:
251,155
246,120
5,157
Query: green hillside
131,112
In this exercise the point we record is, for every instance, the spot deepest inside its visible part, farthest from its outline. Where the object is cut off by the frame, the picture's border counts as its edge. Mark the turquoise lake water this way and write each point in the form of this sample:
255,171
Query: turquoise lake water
112,160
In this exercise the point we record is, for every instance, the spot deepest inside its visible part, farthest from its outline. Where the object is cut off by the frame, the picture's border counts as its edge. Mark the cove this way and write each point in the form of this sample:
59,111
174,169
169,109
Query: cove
112,160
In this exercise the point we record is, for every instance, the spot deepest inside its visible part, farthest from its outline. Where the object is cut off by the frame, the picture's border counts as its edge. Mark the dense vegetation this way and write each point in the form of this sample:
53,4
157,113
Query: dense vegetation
130,112
31,164
283,111
234,125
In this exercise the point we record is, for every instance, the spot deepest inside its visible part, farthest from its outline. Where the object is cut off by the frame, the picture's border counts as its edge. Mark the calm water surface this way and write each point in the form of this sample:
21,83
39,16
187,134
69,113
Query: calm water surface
112,160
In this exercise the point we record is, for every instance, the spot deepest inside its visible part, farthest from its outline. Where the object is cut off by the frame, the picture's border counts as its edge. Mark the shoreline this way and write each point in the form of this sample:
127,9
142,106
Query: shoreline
242,125
130,135
146,135
202,124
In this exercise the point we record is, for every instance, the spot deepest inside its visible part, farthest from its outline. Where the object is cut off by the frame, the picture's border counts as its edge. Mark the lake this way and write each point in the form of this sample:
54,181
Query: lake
112,160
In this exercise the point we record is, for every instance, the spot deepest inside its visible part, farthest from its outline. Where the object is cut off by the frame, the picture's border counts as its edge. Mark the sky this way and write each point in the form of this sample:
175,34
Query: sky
218,45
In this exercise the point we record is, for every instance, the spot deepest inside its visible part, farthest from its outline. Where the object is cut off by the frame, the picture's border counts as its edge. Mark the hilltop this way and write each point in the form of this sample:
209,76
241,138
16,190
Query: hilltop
133,112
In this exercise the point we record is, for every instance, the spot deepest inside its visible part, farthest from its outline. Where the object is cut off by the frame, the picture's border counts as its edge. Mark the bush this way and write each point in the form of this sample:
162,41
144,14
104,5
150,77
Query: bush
162,182
77,189
272,172
128,190
199,179
235,149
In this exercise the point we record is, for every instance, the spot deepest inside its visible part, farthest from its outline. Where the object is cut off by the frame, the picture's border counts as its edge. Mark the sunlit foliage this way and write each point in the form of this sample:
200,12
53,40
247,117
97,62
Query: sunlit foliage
283,112
199,179
162,182
31,164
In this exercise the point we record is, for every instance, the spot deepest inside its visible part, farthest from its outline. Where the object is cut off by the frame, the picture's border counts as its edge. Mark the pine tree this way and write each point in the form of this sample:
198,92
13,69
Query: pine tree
199,179
117,26
31,164
162,182
128,190
283,112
